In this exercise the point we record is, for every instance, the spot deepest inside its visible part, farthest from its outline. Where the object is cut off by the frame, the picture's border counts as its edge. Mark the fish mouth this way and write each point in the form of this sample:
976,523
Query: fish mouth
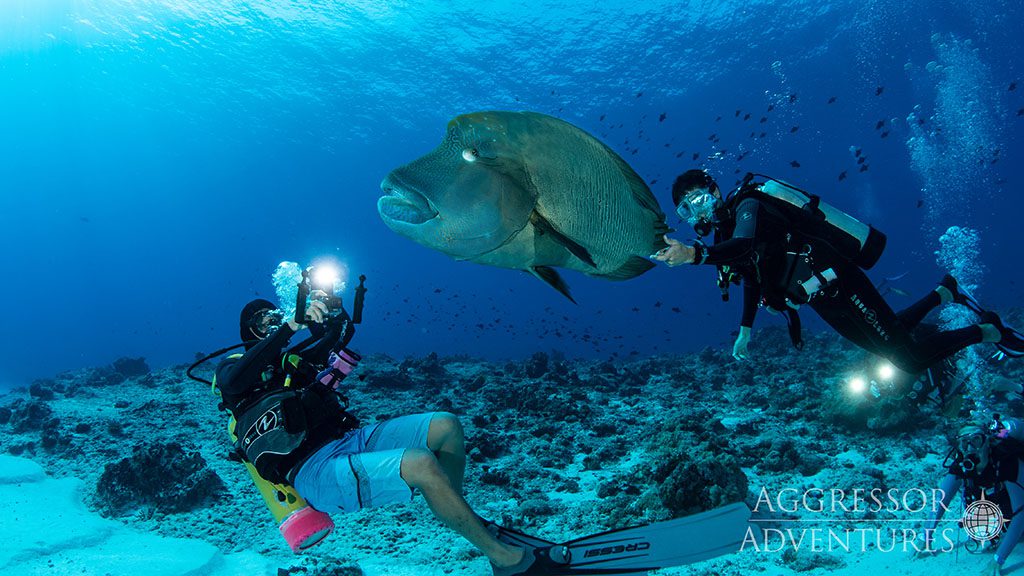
403,204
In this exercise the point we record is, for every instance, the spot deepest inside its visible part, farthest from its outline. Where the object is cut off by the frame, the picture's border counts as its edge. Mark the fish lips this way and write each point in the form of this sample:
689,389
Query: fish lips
403,205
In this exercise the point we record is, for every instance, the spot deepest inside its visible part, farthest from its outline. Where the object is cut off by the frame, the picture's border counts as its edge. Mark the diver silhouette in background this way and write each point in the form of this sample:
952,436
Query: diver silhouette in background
789,249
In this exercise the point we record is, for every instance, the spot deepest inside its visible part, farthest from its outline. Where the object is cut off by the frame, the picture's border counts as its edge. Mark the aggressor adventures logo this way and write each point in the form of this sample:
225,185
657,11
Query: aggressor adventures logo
983,520
858,520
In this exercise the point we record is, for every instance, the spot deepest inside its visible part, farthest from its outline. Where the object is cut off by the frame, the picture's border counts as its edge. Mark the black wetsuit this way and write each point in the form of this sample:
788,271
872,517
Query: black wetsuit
312,414
752,236
260,367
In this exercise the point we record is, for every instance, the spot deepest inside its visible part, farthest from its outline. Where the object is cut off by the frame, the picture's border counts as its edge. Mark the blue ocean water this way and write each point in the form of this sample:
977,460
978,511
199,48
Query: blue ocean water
159,158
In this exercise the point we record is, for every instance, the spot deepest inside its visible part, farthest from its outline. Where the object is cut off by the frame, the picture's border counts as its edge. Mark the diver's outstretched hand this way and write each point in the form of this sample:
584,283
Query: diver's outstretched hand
675,254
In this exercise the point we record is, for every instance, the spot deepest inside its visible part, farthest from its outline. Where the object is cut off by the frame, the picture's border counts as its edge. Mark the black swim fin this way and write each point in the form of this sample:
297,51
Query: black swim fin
1012,344
639,549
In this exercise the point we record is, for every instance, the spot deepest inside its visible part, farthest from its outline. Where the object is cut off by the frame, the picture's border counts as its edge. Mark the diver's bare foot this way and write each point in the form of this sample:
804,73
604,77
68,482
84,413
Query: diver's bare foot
513,558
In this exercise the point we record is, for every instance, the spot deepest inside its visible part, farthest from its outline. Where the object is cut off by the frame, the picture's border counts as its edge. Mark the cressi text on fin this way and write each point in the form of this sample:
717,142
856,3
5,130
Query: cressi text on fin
662,544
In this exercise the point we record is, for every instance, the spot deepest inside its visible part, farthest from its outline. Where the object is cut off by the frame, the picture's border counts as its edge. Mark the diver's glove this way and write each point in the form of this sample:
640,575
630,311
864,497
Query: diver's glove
739,348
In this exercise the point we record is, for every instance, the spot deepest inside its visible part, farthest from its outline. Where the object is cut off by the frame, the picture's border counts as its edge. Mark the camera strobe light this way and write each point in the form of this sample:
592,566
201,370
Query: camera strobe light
325,277
886,371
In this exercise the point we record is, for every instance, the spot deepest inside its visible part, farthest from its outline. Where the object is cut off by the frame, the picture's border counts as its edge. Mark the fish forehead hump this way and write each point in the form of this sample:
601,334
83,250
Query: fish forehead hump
477,126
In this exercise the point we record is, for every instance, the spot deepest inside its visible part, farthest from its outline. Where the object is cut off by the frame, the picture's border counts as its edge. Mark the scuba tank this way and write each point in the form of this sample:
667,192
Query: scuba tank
301,525
860,243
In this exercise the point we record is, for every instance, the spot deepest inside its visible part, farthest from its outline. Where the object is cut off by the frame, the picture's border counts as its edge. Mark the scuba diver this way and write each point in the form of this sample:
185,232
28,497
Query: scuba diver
985,464
305,449
308,456
789,249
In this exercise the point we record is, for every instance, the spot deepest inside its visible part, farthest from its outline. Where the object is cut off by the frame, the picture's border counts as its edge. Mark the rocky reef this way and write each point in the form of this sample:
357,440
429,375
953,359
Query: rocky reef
556,446
162,476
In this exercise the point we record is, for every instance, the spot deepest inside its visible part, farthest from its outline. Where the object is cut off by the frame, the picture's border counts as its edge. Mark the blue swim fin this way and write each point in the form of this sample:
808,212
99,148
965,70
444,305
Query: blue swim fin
639,549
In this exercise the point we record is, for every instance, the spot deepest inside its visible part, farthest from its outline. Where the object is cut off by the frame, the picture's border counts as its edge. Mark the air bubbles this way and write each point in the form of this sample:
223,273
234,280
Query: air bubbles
777,70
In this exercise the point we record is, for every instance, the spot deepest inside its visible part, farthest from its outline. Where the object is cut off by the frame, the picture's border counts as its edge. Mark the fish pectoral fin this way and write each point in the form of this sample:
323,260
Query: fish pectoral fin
571,245
633,267
660,230
551,277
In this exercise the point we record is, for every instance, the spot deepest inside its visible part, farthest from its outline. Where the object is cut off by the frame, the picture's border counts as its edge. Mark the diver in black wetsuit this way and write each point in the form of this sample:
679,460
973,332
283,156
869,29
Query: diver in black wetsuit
295,431
785,258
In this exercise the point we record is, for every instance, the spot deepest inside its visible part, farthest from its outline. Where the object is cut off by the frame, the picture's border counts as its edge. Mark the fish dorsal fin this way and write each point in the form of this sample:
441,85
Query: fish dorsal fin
633,267
542,224
551,277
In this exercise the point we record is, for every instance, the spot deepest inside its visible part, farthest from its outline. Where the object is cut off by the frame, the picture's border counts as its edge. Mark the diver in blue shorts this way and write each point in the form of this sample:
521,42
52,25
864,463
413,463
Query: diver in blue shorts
294,429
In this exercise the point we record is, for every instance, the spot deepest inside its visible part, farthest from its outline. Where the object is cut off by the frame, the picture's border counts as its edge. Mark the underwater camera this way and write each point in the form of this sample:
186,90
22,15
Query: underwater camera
877,379
323,279
326,280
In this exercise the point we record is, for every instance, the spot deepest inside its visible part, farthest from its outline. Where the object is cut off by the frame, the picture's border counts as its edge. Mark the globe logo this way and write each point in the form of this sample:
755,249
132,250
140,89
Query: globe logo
983,520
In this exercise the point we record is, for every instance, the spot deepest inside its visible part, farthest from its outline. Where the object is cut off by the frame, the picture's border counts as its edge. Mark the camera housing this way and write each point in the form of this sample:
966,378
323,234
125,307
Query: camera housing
317,279
332,302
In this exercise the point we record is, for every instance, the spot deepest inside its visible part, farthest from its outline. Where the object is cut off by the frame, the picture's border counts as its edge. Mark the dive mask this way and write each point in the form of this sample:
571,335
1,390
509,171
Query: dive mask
264,321
698,206
972,443
972,447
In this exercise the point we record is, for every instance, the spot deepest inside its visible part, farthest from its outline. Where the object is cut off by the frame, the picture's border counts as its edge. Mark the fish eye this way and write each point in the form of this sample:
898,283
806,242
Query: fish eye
470,154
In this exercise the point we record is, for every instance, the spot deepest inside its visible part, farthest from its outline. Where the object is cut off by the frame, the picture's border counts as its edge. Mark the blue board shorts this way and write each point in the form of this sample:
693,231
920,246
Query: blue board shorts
363,469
